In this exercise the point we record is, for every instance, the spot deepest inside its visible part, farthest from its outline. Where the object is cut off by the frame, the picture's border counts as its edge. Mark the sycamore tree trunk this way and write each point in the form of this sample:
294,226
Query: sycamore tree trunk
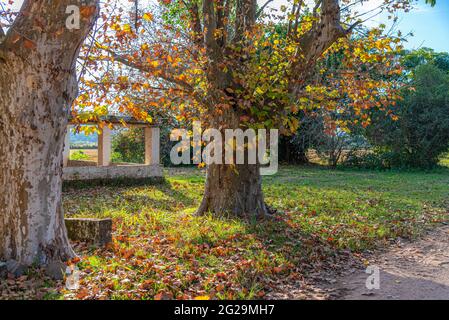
38,86
237,190
230,189
233,189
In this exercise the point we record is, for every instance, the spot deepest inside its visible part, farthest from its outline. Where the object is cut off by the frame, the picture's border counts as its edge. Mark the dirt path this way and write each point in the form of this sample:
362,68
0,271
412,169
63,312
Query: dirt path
408,271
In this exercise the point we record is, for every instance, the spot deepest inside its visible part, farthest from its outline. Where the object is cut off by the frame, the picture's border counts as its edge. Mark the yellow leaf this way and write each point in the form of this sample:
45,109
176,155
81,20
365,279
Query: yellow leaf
202,298
127,28
259,90
148,17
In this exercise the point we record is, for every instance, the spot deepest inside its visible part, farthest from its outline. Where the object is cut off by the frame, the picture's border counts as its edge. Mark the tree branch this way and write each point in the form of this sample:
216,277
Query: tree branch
195,22
160,74
2,34
260,11
210,25
245,17
2,38
41,20
324,32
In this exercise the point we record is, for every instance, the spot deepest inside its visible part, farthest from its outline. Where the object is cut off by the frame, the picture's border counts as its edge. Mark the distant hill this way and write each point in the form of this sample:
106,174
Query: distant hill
80,140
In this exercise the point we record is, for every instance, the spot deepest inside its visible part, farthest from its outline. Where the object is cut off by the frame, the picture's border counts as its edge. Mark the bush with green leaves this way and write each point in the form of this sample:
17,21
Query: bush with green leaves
79,155
420,133
129,146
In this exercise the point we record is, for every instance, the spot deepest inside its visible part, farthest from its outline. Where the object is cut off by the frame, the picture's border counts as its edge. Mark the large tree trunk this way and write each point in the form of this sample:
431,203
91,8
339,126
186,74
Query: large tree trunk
33,124
234,190
237,189
38,86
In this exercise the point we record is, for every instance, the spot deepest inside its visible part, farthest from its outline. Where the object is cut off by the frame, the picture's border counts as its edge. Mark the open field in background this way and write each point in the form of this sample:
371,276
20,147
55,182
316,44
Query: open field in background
91,154
161,250
314,158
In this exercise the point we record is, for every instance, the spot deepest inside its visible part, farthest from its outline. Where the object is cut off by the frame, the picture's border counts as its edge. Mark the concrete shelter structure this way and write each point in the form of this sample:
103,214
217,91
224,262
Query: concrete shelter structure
104,168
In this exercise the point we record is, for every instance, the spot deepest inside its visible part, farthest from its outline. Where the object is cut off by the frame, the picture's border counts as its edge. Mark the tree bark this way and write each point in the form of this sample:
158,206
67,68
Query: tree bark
237,190
234,190
38,86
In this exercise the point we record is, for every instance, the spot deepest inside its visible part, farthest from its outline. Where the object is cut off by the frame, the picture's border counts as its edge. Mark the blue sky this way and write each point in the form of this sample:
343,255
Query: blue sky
429,25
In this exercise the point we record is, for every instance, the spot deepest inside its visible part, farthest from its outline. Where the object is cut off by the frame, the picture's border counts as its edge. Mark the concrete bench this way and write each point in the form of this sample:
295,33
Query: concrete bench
95,231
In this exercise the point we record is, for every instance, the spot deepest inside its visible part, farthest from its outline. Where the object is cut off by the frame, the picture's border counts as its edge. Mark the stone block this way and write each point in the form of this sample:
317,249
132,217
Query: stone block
95,231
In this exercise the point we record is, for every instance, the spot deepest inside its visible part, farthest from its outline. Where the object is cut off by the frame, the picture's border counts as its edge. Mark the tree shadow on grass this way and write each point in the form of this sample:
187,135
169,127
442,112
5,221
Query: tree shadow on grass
172,197
129,195
305,251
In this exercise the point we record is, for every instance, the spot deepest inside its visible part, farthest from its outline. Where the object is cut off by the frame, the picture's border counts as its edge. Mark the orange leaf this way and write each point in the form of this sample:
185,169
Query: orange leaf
15,38
87,11
29,44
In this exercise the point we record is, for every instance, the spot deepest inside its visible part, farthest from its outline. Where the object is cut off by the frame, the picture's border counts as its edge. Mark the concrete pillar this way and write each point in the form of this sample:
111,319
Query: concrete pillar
152,146
104,147
66,152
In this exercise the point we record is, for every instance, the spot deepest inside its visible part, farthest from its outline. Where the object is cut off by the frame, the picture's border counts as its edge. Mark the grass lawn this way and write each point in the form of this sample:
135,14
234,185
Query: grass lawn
161,250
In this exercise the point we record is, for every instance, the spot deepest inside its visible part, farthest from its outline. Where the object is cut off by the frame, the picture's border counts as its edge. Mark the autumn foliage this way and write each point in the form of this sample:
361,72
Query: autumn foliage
153,62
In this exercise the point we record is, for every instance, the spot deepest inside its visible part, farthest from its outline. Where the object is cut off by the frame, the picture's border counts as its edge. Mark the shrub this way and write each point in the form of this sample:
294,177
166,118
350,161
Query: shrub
79,155
129,146
420,135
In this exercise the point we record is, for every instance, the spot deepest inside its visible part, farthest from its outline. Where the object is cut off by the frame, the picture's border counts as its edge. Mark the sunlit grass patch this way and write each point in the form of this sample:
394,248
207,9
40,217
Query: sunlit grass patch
445,160
161,249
